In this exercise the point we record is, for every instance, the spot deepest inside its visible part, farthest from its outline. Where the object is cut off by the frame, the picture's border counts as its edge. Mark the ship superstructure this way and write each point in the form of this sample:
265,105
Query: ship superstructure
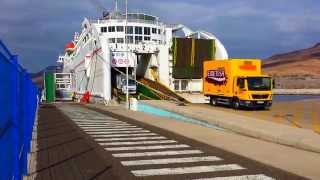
106,46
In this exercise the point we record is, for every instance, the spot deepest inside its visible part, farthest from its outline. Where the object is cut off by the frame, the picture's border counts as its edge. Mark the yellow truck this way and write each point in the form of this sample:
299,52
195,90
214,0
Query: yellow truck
237,82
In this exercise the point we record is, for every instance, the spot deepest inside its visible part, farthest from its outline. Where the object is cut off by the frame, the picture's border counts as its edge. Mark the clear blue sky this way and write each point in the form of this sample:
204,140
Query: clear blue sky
38,29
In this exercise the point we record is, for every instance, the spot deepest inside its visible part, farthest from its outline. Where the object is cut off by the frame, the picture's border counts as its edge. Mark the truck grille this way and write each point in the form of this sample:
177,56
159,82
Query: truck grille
260,96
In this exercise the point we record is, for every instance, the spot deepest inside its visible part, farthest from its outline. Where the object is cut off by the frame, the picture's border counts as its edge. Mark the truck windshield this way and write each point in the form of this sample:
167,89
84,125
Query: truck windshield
259,84
131,82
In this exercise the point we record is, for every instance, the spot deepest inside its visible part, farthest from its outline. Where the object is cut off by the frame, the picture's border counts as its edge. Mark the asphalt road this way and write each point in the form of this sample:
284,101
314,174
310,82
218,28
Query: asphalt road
140,151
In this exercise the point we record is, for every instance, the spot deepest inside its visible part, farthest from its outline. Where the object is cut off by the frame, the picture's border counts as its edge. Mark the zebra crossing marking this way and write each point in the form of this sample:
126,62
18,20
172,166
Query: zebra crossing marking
158,153
105,123
171,161
129,139
114,126
132,148
102,125
138,143
121,132
187,170
110,129
123,135
92,119
105,130
100,121
244,177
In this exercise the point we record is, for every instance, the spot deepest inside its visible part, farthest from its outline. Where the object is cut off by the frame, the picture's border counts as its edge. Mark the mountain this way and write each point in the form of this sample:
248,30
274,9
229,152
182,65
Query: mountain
297,69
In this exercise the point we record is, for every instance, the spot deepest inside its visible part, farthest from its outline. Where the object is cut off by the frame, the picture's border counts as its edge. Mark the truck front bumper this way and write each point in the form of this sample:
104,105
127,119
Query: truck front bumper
256,104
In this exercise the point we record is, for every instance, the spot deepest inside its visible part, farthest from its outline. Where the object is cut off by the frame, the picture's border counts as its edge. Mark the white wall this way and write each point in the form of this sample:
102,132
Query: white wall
106,70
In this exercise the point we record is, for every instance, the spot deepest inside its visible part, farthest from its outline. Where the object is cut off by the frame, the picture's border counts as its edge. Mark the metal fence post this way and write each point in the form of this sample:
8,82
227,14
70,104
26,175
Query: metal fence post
15,123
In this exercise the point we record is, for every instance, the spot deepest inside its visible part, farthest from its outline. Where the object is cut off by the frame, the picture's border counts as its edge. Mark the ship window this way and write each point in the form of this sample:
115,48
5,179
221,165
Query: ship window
112,40
154,30
103,29
138,38
146,38
119,28
159,31
111,29
138,30
130,30
120,40
130,39
146,30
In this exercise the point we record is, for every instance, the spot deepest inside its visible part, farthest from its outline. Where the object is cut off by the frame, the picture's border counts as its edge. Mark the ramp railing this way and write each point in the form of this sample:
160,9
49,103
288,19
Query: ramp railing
18,106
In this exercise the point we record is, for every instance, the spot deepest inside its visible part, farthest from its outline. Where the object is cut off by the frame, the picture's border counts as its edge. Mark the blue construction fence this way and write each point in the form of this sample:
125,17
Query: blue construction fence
18,106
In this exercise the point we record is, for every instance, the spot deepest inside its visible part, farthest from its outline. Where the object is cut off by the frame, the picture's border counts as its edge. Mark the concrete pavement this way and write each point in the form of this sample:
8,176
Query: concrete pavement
304,163
299,138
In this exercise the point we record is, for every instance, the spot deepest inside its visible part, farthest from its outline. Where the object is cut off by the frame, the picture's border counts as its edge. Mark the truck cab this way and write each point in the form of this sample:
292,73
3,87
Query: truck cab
252,91
122,85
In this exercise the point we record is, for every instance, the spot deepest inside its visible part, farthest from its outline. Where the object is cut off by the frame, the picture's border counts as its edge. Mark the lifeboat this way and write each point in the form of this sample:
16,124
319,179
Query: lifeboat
69,47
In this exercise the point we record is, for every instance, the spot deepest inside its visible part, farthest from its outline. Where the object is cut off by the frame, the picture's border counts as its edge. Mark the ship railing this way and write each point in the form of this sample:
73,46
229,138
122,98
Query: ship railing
148,48
122,20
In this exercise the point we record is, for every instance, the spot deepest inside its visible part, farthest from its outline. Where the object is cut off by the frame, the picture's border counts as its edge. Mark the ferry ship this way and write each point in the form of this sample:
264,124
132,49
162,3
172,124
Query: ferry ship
170,55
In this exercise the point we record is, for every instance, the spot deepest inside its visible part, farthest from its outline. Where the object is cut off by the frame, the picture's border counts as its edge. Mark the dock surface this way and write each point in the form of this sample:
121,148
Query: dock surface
74,142
60,151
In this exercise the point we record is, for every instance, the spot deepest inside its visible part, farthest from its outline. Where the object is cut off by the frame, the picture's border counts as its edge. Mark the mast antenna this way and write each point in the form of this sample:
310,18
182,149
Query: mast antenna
116,6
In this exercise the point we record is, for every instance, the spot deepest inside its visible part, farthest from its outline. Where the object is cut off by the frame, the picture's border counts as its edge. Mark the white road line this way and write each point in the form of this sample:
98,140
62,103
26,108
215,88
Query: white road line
92,119
91,129
124,135
104,124
245,177
100,121
108,126
97,125
159,153
186,170
107,120
118,132
132,148
129,139
171,161
110,129
138,143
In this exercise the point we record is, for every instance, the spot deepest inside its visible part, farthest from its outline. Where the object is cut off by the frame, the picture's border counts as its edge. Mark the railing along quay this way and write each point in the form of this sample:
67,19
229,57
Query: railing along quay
18,104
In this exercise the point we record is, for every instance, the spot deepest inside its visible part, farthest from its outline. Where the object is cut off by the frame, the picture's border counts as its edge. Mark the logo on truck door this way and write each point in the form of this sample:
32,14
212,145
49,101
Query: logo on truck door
217,76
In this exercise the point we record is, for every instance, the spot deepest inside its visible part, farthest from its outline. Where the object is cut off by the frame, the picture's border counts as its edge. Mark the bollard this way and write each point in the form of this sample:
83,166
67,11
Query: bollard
133,104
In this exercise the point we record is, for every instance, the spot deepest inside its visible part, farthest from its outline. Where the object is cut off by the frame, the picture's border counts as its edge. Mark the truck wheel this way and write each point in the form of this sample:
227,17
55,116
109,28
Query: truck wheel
213,101
236,104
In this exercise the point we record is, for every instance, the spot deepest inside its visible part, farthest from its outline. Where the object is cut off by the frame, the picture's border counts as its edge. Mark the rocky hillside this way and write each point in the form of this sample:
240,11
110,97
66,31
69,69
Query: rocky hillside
297,69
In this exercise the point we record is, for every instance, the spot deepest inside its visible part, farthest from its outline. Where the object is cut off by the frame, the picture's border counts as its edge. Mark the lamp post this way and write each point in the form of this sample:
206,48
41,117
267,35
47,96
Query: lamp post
127,68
